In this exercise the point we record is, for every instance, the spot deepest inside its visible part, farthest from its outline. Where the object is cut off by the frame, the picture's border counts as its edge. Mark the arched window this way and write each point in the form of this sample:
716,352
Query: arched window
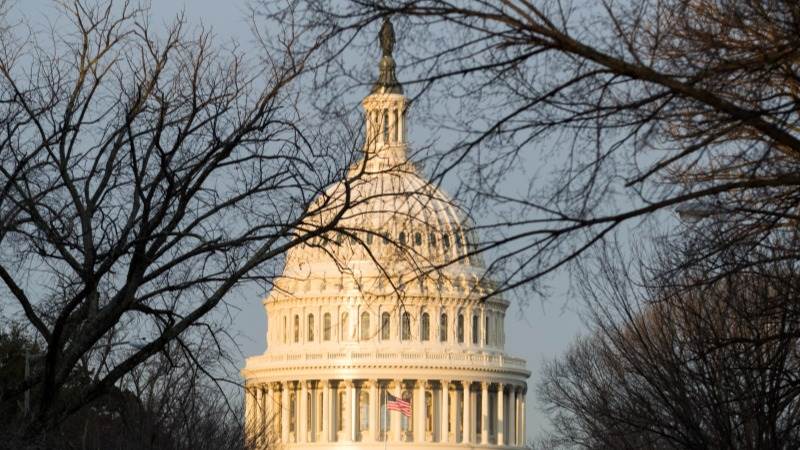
425,327
432,239
443,328
344,327
386,326
326,327
460,329
402,238
405,333
310,329
417,238
445,241
474,329
364,326
369,238
296,328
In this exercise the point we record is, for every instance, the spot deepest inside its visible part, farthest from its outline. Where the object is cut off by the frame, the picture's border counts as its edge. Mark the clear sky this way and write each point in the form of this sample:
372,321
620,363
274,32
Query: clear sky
538,331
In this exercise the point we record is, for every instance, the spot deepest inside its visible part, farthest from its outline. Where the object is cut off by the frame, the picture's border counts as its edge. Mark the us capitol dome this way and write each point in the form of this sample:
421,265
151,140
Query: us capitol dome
393,303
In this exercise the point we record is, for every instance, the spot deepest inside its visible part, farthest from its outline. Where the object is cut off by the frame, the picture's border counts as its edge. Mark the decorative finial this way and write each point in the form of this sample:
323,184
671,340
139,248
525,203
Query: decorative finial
387,80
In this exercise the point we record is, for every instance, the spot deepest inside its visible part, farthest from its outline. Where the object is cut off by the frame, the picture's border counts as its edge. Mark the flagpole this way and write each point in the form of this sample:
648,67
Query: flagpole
385,419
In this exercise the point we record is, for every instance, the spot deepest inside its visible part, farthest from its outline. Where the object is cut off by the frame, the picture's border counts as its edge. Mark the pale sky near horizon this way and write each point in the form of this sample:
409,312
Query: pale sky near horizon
536,332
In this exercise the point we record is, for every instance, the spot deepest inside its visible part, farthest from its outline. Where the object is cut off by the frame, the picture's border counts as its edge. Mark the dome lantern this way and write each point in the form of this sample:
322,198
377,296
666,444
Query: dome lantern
385,109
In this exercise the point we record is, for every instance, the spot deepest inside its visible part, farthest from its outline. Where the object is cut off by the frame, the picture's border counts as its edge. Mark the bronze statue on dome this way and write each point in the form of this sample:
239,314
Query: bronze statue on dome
387,80
386,37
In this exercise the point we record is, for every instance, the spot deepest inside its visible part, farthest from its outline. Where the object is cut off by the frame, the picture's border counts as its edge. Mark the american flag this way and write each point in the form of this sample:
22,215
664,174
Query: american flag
398,404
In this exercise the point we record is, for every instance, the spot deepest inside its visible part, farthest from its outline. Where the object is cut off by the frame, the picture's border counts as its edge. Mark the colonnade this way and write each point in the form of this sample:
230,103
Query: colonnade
443,411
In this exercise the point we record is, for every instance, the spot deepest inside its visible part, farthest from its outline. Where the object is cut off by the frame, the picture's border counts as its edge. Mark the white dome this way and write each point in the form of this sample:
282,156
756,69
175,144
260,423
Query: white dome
393,221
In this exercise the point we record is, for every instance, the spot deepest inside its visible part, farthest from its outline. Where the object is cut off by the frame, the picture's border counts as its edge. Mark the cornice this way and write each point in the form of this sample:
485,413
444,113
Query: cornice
358,360
356,298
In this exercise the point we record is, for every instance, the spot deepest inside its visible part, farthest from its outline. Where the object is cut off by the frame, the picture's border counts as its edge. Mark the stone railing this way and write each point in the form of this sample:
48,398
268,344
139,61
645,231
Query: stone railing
378,356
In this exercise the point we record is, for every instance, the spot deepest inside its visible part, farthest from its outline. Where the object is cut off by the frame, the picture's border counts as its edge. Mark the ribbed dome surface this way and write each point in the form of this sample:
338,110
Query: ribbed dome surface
392,221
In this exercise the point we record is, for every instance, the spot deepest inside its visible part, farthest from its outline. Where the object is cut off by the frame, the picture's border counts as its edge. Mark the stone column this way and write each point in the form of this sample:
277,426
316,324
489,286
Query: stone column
248,411
267,421
512,415
259,414
383,126
466,433
320,325
452,335
326,411
285,410
501,413
484,413
522,417
444,412
419,411
482,328
468,330
400,131
302,420
396,419
374,404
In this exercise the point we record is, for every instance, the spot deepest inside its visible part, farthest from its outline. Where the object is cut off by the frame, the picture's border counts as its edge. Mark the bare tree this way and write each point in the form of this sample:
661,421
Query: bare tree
613,110
174,400
146,174
705,357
